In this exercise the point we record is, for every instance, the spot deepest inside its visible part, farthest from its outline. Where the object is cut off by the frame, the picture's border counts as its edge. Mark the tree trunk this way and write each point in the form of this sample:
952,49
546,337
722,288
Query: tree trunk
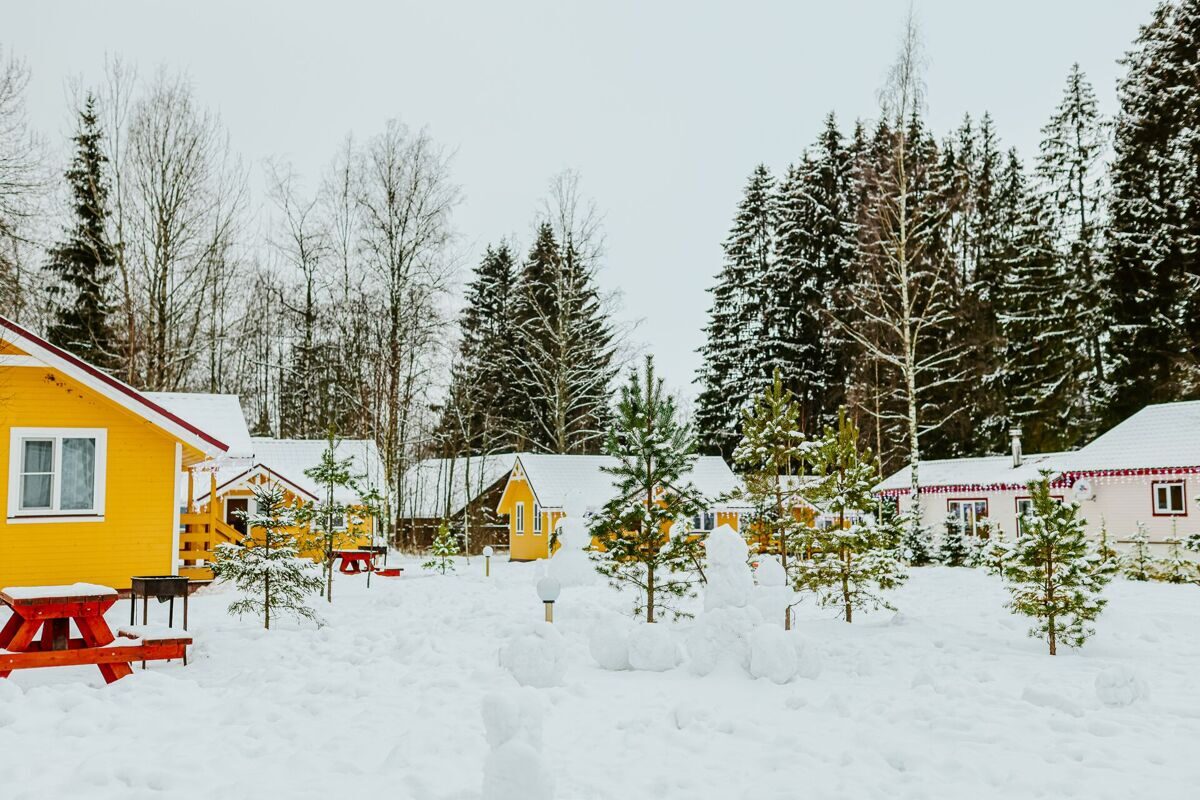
649,593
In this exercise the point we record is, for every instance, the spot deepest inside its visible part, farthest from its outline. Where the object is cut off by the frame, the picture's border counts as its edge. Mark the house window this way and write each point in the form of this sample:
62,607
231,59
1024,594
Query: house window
1169,499
1025,508
519,519
537,519
705,522
56,472
970,511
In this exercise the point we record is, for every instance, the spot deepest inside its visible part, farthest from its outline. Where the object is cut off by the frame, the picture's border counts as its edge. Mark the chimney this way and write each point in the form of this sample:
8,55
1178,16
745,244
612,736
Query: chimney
1015,434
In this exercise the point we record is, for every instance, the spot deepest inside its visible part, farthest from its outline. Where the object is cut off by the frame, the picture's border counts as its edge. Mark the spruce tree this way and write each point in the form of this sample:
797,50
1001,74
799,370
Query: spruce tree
769,457
445,548
83,264
328,514
856,558
743,328
1175,566
955,549
265,566
1054,572
639,541
1138,562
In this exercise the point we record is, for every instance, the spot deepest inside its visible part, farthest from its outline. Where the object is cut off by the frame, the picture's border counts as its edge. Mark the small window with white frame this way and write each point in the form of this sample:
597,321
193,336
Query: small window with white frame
1170,498
56,472
519,519
970,511
537,520
704,522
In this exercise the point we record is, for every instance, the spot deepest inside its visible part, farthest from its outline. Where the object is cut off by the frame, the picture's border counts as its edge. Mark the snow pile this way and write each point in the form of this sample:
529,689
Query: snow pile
772,595
1120,686
721,634
653,648
772,654
537,657
570,563
730,582
609,644
514,768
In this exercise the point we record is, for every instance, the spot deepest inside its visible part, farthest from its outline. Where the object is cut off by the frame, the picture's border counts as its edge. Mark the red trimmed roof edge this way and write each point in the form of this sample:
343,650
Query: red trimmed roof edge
119,385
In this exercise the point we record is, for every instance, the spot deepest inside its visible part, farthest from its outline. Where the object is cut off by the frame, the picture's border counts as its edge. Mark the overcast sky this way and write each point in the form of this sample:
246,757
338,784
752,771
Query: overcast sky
663,107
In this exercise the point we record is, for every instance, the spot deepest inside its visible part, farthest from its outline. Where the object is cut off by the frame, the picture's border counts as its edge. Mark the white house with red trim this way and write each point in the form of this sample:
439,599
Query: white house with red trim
1146,470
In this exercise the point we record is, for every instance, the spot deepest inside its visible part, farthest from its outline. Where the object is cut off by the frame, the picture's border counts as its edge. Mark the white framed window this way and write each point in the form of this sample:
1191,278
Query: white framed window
537,519
704,521
56,472
1170,499
970,511
519,519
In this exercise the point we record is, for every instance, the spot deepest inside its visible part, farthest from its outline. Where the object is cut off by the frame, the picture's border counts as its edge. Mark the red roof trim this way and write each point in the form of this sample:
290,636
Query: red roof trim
120,386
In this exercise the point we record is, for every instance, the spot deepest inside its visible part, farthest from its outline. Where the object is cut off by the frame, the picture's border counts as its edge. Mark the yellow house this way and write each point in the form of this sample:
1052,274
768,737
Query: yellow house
542,488
94,470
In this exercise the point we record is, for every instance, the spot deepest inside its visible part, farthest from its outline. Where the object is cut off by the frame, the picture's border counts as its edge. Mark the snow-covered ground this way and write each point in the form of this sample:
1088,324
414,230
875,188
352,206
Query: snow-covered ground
946,699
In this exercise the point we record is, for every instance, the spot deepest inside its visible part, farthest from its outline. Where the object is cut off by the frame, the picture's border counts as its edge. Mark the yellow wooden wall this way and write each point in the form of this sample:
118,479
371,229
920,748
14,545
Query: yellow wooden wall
136,536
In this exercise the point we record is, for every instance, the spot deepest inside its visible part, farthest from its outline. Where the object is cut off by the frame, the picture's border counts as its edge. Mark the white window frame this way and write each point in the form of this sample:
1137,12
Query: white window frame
17,437
519,519
967,511
1160,511
537,520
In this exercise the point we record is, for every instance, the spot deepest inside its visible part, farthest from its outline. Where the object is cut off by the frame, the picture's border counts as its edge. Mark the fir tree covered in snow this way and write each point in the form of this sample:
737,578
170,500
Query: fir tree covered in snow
738,323
639,544
955,549
1175,567
444,549
1054,572
1138,562
856,558
770,457
265,567
328,514
85,262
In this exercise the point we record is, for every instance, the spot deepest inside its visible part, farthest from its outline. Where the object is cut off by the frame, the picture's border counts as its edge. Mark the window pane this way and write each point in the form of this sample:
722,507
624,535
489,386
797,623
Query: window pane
78,474
39,456
35,491
1177,498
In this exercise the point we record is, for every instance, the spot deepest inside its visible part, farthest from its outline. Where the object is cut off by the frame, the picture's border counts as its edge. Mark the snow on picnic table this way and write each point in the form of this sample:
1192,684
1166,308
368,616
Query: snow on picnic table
948,699
66,592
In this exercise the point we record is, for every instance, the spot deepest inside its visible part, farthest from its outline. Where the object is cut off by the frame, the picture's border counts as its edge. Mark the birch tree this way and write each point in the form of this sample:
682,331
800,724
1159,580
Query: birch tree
21,183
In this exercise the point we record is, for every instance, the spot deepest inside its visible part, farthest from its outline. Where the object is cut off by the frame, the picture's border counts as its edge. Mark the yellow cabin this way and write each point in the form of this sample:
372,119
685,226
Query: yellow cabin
543,488
94,472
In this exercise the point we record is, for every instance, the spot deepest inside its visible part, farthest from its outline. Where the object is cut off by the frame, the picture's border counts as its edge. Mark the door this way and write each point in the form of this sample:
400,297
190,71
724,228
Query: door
235,510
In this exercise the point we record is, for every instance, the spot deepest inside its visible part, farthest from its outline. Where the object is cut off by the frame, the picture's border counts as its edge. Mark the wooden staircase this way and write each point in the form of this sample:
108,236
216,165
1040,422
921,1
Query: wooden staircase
198,540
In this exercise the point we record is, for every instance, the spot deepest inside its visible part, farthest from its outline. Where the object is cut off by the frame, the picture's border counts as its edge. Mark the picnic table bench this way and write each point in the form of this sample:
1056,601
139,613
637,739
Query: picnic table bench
354,561
50,610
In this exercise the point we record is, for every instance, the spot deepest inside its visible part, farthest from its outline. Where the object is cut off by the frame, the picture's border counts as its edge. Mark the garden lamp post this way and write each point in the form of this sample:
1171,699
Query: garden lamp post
487,561
548,589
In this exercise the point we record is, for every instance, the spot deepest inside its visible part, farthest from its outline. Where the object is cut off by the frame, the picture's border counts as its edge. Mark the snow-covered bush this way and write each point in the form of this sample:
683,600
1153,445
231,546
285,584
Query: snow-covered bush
609,644
652,647
514,768
537,657
1120,686
773,654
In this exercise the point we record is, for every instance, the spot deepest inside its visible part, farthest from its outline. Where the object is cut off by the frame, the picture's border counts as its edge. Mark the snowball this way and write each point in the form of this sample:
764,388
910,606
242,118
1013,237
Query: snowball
721,636
536,658
772,654
769,572
729,580
609,644
1120,686
653,648
515,771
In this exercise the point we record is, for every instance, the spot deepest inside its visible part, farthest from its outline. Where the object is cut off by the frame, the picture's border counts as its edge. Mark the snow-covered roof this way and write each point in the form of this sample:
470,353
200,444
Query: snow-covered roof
289,458
429,482
219,414
565,481
979,472
1157,437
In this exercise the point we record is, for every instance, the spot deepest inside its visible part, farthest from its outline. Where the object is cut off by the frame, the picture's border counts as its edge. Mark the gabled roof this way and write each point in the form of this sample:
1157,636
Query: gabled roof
976,473
289,458
119,392
245,477
430,483
220,414
568,482
1157,437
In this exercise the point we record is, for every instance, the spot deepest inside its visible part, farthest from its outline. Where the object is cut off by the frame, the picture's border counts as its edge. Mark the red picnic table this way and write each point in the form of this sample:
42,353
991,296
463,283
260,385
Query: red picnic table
353,561
52,609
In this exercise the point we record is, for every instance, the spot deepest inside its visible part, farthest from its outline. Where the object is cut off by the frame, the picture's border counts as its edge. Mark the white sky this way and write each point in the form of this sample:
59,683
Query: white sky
663,107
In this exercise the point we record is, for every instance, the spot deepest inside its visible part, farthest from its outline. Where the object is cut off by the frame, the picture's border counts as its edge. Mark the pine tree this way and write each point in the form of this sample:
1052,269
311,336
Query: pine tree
856,558
265,566
332,475
741,334
445,548
770,455
1153,283
639,543
85,262
1175,566
1138,562
955,548
1054,572
916,541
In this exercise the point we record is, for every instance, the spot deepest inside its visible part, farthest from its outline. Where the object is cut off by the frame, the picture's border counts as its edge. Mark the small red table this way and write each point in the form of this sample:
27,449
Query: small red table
354,561
51,609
